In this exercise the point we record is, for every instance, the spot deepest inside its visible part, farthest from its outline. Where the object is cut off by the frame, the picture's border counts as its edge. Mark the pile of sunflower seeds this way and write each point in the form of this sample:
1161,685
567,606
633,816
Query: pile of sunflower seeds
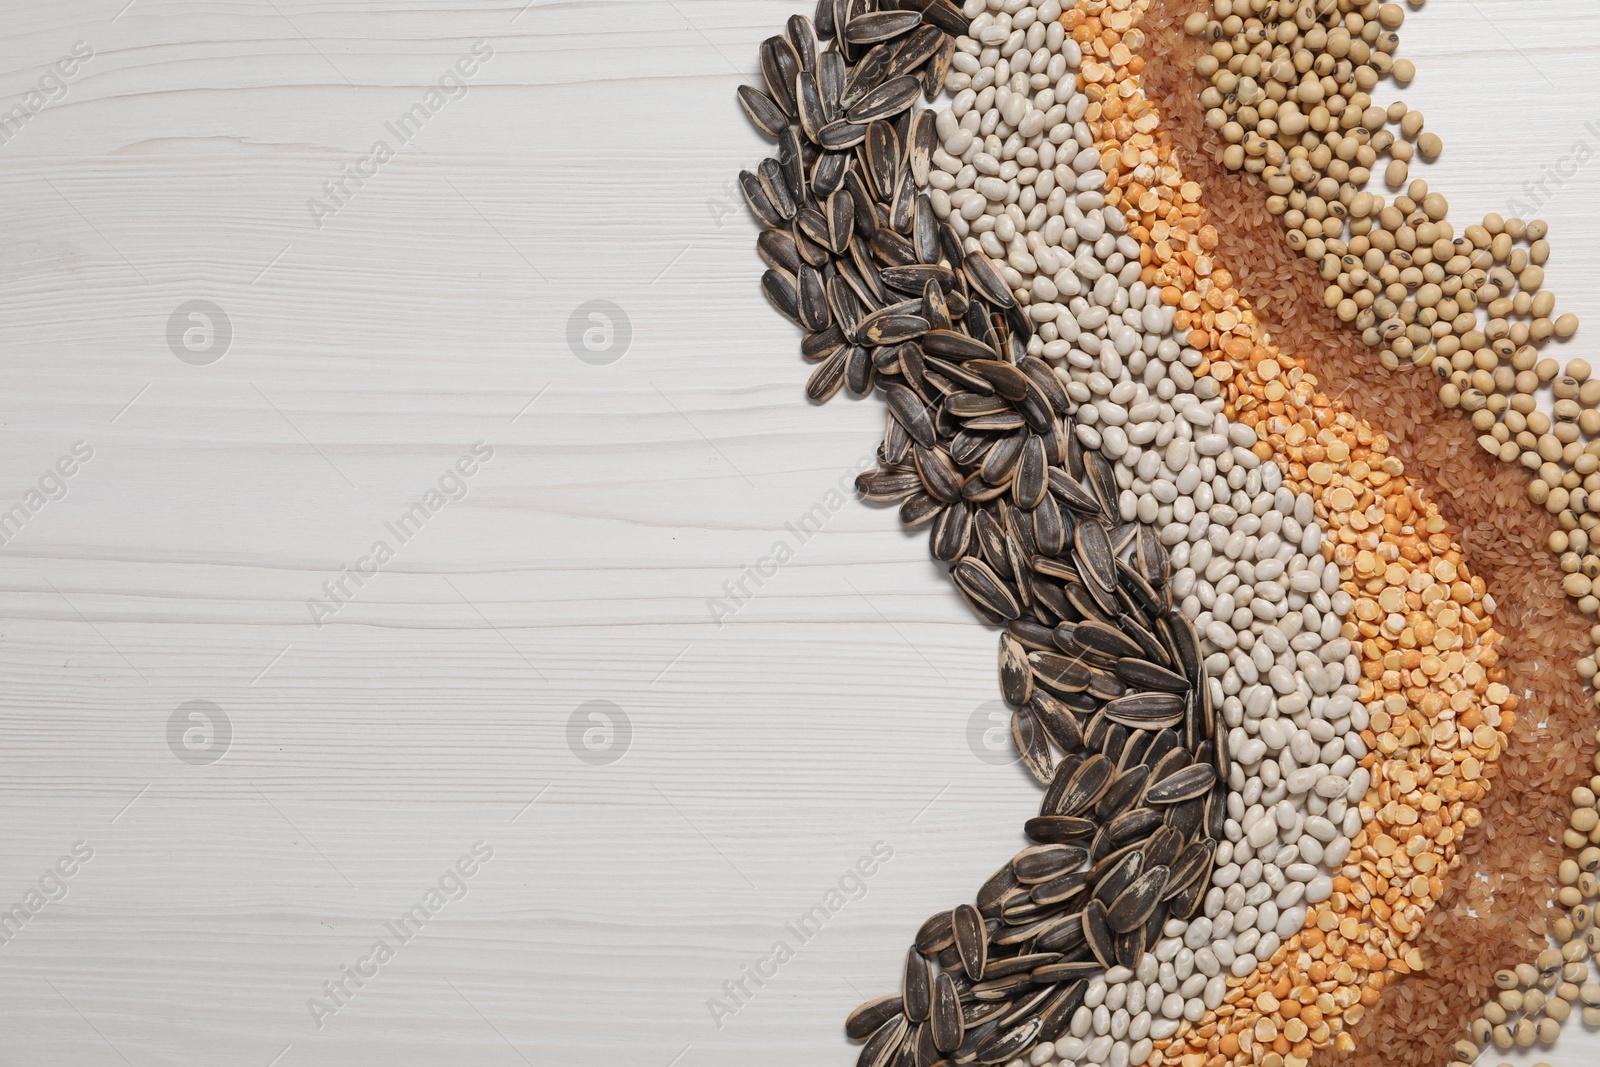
980,447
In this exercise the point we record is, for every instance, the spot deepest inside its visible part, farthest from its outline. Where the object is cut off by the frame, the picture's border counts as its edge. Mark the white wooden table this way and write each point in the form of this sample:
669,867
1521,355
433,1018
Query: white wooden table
247,454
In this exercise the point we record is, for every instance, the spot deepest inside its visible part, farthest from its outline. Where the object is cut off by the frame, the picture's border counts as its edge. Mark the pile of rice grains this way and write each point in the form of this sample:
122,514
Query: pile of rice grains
1309,704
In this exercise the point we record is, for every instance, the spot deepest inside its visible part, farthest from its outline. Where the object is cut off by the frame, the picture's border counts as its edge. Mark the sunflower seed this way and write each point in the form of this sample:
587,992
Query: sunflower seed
952,531
941,13
780,64
887,485
755,197
1000,464
916,987
935,933
808,98
936,74
885,328
823,18
830,82
828,172
1040,863
1004,1045
924,138
1134,825
1066,971
1057,1015
1187,644
1061,888
1130,948
841,134
1040,374
882,158
960,347
896,445
781,290
1096,931
763,111
840,216
1057,721
880,26
985,278
1016,682
883,1043
804,40
1072,494
1096,557
935,308
945,1015
1007,966
919,508
1089,783
1124,793
911,413
814,311
844,304
917,48
1146,711
939,474
1029,485
777,250
1191,864
902,212
866,74
886,100
1103,637
1184,785
915,278
828,377
1135,904
1029,737
867,1019
817,346
1058,829
1154,564
1142,674
985,591
1007,380
922,1045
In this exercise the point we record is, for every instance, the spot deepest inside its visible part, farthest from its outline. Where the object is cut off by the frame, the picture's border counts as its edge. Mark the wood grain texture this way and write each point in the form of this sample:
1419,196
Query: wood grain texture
841,705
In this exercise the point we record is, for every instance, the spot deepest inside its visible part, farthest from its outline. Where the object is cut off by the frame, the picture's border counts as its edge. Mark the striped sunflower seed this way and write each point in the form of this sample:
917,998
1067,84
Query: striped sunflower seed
945,1015
985,591
868,1018
1183,785
916,987
881,26
763,111
780,65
